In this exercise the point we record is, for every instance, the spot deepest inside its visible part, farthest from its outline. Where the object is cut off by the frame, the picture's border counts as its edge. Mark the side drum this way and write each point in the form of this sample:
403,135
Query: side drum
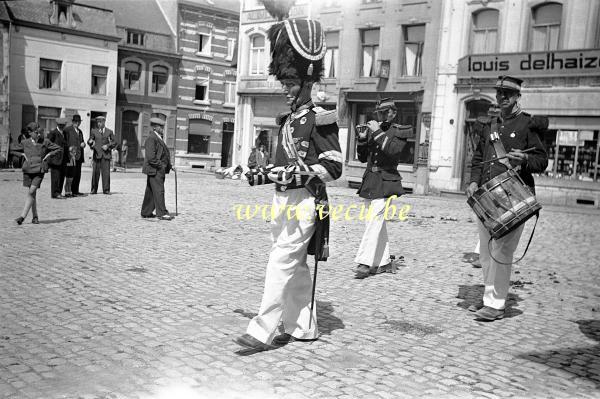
504,203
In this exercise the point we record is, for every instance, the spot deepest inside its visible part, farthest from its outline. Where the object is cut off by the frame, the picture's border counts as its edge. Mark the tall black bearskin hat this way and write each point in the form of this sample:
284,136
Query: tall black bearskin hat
297,44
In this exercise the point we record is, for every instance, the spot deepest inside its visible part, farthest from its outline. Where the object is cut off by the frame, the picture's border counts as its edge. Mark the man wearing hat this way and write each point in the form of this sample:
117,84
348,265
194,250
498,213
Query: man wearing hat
157,164
102,140
307,156
512,132
75,141
58,161
380,145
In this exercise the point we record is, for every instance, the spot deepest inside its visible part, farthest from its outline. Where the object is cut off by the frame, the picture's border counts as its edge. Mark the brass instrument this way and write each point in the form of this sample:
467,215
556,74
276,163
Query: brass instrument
362,128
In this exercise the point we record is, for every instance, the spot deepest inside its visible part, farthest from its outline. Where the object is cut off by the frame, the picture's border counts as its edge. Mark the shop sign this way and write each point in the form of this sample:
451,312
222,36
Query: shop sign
538,64
586,135
567,137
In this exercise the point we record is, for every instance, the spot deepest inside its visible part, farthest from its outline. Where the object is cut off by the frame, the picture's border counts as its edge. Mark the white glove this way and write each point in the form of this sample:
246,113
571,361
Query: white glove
282,174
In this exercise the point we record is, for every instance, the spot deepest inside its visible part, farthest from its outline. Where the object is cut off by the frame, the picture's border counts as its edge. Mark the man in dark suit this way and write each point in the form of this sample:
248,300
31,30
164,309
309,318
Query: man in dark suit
380,145
58,161
102,140
74,137
157,163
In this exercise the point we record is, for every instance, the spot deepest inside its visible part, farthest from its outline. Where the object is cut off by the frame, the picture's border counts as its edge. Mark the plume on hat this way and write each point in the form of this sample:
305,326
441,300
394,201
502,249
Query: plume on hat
279,9
297,57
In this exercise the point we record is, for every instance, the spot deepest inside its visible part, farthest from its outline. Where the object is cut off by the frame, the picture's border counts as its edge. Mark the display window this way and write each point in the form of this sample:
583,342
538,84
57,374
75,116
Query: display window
572,154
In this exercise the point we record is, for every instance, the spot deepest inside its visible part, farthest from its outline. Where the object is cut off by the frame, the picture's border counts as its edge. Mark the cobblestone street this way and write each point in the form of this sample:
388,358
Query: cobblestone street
96,302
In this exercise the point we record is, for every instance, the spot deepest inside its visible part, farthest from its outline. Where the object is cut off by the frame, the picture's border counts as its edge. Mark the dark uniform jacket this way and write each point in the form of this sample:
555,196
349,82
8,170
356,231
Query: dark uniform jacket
157,158
518,132
60,157
35,153
313,132
106,137
74,137
381,150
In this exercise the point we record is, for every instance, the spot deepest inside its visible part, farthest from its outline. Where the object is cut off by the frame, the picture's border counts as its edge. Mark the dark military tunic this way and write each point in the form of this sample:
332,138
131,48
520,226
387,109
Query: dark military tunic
381,151
518,132
313,132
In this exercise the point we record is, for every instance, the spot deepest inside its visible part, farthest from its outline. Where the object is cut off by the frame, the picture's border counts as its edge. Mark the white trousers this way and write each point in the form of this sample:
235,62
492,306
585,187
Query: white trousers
288,285
374,249
496,276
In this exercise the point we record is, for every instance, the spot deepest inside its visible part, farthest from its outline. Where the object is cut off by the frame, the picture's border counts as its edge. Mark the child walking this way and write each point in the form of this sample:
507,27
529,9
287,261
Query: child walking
36,150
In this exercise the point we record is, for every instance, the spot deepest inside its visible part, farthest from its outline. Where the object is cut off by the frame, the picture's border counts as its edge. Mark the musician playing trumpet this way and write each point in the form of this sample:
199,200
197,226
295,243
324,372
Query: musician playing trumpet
379,144
518,135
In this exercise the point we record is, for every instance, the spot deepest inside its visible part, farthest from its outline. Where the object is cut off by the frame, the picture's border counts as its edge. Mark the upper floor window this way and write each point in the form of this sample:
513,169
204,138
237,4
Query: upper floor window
136,38
414,41
99,74
484,36
230,48
545,27
369,39
205,43
50,74
62,13
133,71
230,89
160,76
330,62
257,55
202,90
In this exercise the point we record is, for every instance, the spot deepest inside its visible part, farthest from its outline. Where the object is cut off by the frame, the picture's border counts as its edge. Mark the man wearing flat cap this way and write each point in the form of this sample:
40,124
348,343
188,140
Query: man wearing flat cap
379,144
513,131
102,140
157,164
76,143
58,161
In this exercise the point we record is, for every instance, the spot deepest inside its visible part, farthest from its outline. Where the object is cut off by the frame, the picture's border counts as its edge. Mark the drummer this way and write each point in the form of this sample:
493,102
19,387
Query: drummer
517,131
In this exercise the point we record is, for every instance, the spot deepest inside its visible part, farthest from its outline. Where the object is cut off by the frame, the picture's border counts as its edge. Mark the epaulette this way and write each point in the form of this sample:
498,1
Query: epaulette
280,119
324,116
403,131
538,122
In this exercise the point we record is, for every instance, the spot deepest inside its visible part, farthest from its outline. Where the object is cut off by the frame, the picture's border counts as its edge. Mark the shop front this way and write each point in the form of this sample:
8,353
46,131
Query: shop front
562,85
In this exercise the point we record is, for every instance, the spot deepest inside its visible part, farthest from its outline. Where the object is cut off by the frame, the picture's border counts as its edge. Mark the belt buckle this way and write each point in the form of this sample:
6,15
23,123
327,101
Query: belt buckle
375,169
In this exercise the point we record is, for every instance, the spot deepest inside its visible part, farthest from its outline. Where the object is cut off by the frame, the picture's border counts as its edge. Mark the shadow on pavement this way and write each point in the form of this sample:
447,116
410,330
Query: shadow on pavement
327,323
473,294
57,220
581,362
327,320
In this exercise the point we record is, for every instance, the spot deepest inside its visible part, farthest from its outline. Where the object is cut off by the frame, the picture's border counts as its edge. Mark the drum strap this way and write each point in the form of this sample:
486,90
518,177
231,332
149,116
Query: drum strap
498,147
537,216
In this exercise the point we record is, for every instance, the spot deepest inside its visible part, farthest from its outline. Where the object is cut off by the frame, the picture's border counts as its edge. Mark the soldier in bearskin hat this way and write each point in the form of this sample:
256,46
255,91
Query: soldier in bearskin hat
307,156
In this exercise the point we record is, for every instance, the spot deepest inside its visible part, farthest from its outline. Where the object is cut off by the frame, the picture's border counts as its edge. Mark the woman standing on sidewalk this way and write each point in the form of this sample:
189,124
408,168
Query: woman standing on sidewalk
36,149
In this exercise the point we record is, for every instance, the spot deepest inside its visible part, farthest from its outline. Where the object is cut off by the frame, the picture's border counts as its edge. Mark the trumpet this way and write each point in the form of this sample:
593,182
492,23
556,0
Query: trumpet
361,128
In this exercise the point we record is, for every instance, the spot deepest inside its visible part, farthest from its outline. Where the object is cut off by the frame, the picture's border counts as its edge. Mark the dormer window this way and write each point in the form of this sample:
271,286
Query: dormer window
135,38
62,13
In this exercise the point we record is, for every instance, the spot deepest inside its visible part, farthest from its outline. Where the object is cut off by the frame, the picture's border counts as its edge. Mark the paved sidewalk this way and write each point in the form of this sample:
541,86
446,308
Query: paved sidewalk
96,302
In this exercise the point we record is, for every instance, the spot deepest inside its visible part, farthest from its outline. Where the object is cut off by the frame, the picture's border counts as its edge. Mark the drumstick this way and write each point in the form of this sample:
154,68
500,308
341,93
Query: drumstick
506,156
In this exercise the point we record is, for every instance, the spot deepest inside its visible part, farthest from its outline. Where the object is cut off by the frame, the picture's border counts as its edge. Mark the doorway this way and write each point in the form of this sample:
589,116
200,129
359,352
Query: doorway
129,129
474,110
226,145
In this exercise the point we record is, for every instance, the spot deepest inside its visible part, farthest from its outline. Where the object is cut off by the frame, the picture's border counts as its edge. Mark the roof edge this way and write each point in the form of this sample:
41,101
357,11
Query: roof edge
67,31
